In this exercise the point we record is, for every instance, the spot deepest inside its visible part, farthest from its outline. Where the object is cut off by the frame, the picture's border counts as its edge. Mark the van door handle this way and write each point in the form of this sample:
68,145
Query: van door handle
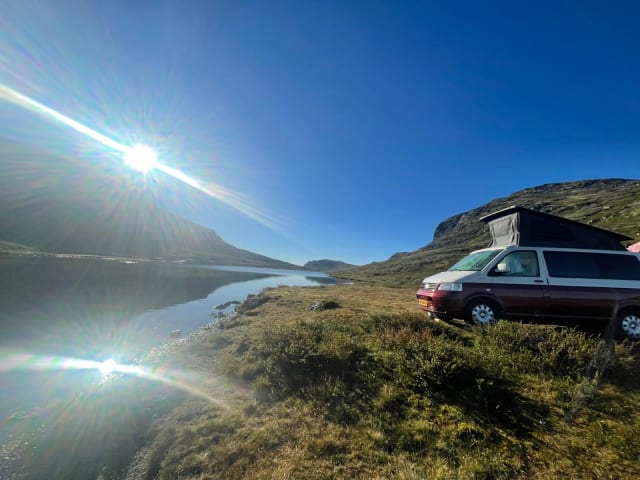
538,281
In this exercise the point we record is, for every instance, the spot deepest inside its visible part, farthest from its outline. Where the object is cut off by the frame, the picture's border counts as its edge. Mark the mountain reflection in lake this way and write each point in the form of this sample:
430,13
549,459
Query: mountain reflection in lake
89,307
100,309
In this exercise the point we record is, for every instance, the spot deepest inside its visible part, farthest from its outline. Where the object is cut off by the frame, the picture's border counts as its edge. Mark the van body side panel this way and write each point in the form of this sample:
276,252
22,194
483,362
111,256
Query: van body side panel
581,302
521,298
589,298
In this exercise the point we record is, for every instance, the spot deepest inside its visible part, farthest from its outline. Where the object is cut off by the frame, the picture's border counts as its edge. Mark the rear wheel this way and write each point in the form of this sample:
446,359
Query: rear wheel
628,325
481,312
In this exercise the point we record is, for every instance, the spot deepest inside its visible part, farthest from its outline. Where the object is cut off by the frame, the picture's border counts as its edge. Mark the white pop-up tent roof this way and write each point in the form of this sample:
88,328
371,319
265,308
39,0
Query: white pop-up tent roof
521,226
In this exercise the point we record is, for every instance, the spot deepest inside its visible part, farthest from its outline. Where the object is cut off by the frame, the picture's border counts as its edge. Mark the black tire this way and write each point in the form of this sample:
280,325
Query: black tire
481,312
628,325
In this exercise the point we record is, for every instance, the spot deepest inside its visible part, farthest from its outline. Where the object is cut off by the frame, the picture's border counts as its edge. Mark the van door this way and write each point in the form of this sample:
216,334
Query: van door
517,283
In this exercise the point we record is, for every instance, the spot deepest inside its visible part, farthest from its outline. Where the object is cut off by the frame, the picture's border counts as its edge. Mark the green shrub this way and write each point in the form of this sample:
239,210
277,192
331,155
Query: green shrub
509,348
624,369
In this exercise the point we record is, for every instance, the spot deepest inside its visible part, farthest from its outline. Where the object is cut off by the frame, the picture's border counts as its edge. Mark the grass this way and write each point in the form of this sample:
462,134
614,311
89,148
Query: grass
375,390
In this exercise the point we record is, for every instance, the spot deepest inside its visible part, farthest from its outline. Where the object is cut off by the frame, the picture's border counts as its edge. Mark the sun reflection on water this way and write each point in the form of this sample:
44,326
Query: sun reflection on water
181,380
108,366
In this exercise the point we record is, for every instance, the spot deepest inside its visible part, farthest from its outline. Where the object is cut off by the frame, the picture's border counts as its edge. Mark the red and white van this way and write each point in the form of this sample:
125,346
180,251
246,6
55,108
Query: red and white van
523,282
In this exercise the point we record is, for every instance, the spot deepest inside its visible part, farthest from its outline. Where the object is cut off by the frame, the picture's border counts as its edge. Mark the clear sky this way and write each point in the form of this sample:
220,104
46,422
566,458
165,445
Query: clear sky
353,128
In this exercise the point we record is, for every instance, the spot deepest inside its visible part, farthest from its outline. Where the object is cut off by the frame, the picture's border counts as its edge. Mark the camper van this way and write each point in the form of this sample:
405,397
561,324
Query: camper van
540,266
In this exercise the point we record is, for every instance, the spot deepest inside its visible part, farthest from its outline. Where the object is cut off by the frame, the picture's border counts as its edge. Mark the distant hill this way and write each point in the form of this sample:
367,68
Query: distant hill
326,265
613,204
59,204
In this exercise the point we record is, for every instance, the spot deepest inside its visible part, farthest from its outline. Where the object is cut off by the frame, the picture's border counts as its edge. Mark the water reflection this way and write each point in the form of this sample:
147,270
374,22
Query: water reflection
76,307
98,310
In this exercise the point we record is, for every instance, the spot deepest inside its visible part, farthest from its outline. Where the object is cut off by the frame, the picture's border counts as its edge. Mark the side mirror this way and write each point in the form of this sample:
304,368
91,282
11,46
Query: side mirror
502,268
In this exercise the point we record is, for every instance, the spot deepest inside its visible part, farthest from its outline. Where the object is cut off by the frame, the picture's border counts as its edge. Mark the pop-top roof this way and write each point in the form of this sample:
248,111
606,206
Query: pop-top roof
521,226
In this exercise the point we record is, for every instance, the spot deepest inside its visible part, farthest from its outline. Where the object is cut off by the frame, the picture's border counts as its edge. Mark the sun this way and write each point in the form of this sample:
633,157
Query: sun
141,158
107,366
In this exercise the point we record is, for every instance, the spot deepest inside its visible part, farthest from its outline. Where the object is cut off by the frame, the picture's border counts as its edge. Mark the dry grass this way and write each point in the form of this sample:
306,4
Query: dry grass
375,390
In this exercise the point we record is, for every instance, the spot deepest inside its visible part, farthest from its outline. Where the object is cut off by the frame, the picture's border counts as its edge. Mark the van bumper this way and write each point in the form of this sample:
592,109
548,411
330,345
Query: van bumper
443,304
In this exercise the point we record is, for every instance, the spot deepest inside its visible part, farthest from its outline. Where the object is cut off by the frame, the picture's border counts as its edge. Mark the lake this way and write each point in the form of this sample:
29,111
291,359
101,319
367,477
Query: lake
94,309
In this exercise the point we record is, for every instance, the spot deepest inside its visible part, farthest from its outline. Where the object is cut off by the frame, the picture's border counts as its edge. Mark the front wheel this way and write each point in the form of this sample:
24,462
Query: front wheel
481,312
628,325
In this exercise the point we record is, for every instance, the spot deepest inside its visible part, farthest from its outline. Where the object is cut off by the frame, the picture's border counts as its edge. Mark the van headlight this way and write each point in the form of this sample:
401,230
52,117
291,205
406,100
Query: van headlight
450,286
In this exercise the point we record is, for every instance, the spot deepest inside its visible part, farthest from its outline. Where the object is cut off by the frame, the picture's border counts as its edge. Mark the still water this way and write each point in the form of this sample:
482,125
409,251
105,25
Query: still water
92,308
98,309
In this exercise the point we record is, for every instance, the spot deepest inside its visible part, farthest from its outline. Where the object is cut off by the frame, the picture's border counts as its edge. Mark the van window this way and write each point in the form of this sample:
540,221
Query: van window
475,261
621,267
592,265
521,264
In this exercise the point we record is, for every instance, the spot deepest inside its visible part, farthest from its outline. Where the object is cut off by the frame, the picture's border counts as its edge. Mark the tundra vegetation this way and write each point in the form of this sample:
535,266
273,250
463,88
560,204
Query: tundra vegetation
373,389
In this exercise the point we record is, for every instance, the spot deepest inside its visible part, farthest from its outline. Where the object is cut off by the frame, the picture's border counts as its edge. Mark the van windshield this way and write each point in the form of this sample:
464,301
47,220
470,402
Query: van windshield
475,261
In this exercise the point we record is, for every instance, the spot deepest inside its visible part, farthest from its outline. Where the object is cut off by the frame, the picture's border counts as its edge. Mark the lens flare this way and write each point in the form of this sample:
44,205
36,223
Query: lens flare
140,157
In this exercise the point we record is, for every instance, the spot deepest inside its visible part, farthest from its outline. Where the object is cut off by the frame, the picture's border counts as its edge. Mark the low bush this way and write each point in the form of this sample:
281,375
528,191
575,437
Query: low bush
511,348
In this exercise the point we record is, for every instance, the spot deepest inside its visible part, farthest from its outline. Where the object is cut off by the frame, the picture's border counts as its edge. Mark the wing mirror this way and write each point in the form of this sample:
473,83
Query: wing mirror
502,268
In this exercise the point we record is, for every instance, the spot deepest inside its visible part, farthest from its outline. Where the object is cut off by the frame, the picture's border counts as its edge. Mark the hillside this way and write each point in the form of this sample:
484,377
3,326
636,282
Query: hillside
613,204
59,204
326,265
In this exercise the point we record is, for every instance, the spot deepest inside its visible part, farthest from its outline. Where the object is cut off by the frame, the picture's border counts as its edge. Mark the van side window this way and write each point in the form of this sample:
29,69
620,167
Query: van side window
619,267
592,265
571,264
521,264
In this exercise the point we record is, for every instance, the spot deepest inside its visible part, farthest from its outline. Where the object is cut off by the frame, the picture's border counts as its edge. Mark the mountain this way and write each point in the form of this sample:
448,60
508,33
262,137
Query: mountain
326,265
61,204
612,204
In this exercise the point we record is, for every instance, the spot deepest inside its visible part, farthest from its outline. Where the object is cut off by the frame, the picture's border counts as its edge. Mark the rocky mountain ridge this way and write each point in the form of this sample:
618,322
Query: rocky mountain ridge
612,204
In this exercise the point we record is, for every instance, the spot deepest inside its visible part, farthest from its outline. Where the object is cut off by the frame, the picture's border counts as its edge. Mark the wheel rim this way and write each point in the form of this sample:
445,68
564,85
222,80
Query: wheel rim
631,325
482,314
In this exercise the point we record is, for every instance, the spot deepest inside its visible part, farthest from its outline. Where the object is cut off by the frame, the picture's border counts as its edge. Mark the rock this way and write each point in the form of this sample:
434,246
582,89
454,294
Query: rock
252,302
224,305
324,305
175,333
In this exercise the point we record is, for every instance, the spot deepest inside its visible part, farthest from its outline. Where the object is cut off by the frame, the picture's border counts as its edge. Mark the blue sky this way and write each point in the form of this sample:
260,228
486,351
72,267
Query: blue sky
356,127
